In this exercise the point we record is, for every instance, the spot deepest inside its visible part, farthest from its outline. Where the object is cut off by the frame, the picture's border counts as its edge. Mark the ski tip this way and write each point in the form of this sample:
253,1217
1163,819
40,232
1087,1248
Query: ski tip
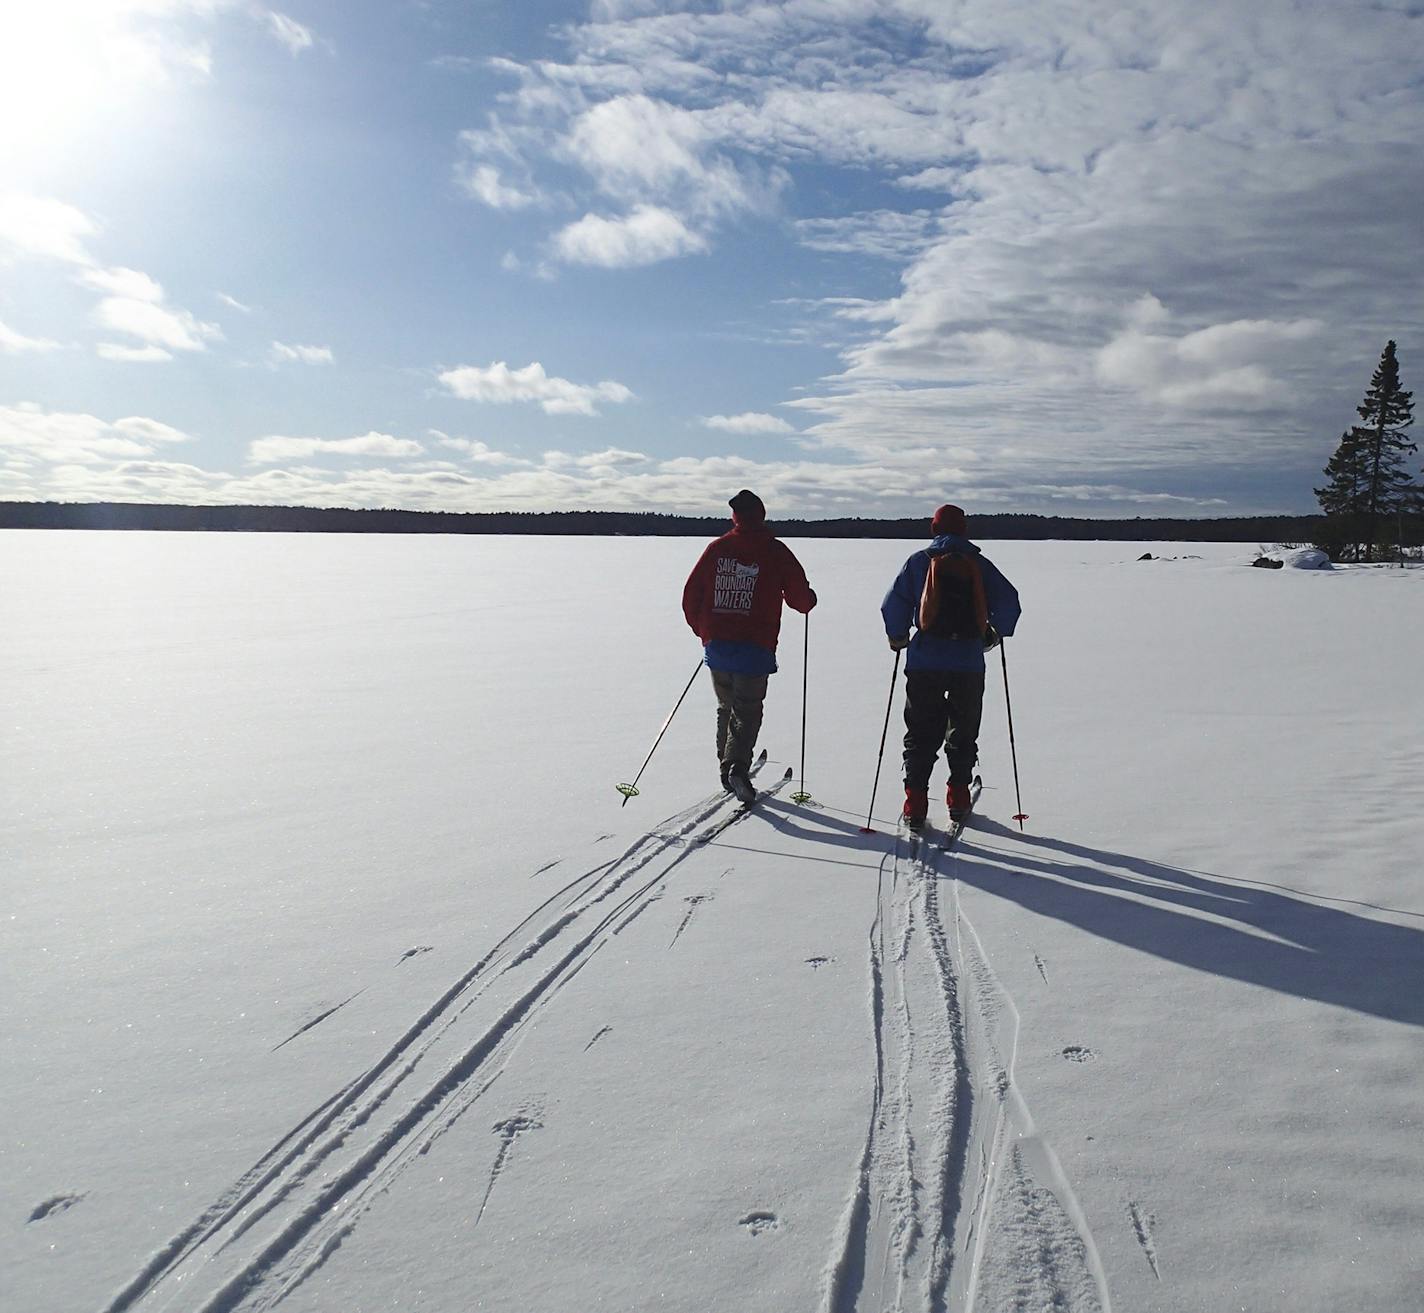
787,776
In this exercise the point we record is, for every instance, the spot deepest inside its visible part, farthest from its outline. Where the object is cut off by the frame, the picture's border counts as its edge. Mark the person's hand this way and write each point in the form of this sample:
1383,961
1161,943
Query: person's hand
899,644
991,638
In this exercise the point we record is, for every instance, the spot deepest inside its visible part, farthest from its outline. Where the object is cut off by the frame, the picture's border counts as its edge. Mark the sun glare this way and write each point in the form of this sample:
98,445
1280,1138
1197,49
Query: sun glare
66,65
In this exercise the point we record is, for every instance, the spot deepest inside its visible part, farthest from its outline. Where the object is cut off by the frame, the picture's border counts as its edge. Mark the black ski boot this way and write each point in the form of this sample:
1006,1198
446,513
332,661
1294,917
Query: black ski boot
740,783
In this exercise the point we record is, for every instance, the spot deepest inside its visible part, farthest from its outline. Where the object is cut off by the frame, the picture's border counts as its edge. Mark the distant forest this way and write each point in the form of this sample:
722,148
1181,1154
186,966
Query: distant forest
1261,529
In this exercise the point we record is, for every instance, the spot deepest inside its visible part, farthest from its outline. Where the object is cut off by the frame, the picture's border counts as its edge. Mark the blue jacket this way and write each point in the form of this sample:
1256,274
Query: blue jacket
902,605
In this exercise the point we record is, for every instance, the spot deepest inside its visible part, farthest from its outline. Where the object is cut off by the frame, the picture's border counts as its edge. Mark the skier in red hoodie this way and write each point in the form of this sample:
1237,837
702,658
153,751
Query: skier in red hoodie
732,602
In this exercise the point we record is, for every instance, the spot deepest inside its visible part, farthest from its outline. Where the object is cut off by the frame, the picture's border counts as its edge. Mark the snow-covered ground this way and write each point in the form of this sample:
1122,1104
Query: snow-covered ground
334,974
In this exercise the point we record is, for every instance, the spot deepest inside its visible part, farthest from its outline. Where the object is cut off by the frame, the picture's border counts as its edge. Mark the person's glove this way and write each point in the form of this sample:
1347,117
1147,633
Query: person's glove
991,637
899,644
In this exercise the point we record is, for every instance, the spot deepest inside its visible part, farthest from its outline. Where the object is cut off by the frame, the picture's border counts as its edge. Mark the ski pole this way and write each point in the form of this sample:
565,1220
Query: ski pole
1021,816
803,796
874,788
631,790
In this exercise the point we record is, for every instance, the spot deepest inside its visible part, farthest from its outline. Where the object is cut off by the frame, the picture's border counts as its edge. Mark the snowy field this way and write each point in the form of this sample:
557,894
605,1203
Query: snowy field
335,978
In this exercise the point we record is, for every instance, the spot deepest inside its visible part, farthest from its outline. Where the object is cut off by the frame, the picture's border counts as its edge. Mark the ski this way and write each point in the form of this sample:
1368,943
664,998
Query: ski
716,828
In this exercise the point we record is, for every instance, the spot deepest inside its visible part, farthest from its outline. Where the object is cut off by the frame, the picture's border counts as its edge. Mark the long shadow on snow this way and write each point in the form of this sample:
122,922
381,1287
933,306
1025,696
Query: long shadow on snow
1328,954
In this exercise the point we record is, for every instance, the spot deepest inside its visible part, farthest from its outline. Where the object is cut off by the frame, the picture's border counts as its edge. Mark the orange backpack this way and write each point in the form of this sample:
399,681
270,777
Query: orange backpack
952,604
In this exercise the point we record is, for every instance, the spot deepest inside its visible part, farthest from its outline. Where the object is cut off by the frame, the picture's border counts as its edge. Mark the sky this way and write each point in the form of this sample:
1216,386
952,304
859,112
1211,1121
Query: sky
863,256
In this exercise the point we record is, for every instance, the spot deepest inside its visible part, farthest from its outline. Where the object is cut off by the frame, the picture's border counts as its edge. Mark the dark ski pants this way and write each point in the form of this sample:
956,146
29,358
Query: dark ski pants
942,710
739,704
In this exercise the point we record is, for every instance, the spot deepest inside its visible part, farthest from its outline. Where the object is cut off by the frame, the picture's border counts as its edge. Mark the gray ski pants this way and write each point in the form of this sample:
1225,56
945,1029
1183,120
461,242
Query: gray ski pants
739,704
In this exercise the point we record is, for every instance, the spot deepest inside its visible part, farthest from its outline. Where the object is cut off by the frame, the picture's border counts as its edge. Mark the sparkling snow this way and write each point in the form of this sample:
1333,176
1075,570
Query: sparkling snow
335,974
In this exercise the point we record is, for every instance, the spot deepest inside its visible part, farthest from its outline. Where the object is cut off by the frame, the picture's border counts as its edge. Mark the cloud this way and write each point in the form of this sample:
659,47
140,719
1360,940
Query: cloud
483,182
499,385
748,422
272,450
134,304
126,284
80,457
13,343
38,226
1221,366
233,303
883,234
645,236
132,355
305,355
156,325
1081,161
57,437
479,453
289,32
609,460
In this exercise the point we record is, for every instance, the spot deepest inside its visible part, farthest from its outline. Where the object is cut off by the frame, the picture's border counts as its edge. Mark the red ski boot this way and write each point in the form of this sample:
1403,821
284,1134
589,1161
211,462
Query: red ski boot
960,800
917,807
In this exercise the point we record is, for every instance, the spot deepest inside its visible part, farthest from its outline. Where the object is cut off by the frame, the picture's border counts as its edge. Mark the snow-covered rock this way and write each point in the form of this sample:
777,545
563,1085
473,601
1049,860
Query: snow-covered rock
1294,558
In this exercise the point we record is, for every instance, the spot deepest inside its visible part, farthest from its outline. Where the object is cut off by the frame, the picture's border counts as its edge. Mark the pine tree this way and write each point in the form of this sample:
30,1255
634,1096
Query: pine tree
1367,478
1343,498
1387,411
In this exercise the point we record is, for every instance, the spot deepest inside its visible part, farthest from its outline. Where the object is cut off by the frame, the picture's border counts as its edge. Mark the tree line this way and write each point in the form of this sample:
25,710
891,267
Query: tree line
1370,491
305,519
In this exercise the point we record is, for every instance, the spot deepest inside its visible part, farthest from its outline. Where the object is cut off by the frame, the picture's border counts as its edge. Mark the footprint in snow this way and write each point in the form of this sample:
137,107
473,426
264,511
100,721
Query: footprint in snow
1144,1225
760,1222
1079,1053
416,951
816,963
59,1203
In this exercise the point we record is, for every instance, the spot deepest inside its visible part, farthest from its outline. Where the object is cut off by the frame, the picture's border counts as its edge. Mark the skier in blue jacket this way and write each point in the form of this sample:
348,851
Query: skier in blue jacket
944,667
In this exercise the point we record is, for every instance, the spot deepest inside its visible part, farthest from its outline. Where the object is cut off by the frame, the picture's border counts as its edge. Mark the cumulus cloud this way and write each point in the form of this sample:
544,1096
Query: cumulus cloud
497,384
1221,366
126,284
609,460
281,353
484,183
479,453
750,421
275,449
167,328
59,437
40,226
1082,161
647,235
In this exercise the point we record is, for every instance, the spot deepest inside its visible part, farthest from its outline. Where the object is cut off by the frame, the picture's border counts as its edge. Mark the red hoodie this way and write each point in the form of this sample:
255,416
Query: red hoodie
735,590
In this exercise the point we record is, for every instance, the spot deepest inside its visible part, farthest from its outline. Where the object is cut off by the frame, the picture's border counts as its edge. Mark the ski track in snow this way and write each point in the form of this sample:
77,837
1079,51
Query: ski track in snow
281,1220
958,1203
322,1016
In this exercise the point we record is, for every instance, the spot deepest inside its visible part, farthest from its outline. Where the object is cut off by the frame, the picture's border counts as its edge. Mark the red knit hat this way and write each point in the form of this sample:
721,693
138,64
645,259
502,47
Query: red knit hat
948,519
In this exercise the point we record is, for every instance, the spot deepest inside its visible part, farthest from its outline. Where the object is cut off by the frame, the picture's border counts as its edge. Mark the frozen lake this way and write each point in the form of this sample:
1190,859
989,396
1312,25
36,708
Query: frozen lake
335,974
